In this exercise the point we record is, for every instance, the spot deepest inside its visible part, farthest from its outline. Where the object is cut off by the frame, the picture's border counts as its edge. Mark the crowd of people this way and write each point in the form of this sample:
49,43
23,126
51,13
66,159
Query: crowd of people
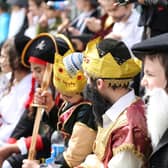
88,91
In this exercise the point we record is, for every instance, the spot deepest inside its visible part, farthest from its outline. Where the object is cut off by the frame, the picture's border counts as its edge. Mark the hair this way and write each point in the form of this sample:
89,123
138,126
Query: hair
162,57
14,56
14,59
4,6
37,2
94,3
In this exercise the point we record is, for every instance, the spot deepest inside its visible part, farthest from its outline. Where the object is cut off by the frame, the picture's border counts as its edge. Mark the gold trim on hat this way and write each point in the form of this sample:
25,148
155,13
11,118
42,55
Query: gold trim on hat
29,44
106,66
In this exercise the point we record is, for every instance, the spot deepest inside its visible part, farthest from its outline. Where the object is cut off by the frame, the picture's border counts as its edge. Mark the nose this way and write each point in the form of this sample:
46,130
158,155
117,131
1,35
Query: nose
34,74
144,81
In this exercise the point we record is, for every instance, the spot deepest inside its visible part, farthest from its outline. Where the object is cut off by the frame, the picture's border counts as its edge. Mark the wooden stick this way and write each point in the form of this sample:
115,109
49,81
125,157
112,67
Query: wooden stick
40,110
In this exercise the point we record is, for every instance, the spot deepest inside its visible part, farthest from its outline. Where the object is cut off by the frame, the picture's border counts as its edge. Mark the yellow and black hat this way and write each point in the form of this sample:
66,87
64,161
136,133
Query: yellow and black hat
66,84
110,59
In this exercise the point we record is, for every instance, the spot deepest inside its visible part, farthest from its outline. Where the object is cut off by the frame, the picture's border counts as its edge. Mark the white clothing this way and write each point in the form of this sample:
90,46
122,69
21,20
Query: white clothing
12,106
4,80
129,31
31,31
16,22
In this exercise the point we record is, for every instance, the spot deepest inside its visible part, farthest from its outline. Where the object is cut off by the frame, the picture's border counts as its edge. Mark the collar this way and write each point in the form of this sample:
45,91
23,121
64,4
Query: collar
118,107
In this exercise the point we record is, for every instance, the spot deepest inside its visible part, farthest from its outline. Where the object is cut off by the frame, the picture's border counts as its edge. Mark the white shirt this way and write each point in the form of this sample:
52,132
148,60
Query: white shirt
12,106
129,31
4,80
16,22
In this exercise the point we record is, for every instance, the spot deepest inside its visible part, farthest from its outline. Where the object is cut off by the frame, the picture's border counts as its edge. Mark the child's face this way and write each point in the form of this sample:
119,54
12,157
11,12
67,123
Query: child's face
37,71
154,74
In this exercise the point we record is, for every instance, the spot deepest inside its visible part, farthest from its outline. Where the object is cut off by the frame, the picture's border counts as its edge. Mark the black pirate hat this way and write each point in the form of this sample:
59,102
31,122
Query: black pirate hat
43,47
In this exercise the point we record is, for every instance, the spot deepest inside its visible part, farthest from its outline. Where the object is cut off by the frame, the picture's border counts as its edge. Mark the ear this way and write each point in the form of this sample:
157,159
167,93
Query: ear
100,83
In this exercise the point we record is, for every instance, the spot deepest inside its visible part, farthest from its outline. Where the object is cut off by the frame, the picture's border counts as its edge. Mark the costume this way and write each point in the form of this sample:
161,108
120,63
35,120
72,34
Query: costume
76,118
72,121
40,51
123,133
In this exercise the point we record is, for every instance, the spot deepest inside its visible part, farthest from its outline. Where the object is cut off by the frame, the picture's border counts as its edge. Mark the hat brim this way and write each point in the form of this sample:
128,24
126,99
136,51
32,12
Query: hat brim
29,47
153,45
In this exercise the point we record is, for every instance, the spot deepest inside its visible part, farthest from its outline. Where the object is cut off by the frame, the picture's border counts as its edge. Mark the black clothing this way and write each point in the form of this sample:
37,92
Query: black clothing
159,158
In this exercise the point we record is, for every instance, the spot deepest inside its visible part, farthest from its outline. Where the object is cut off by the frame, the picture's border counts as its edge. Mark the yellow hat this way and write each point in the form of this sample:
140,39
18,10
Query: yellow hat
63,82
110,59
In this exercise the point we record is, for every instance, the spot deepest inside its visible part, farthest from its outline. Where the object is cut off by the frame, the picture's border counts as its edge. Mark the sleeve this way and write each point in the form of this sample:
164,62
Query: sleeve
79,146
24,127
91,161
86,116
24,144
126,157
51,118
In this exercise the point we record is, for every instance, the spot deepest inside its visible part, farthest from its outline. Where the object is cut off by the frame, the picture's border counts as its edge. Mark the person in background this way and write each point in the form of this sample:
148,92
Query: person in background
35,10
4,21
53,17
125,19
18,20
15,94
88,8
77,30
154,53
152,16
122,133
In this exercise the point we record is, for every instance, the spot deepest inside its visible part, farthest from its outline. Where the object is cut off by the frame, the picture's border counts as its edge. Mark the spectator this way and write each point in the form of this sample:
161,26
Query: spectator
18,10
35,10
153,16
125,20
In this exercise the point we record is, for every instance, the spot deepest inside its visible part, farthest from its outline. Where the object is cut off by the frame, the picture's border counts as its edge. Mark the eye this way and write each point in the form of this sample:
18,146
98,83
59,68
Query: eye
149,74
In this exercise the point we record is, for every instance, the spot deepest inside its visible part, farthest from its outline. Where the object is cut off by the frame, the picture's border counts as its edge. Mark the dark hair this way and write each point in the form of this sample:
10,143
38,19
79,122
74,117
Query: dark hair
14,56
4,6
38,2
14,59
162,57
